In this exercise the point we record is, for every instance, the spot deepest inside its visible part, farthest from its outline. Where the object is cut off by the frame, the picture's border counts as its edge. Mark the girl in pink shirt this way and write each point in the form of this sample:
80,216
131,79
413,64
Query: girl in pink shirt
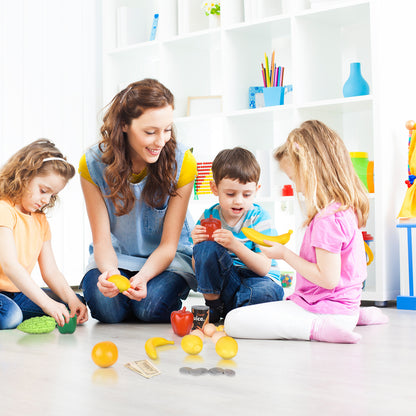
331,265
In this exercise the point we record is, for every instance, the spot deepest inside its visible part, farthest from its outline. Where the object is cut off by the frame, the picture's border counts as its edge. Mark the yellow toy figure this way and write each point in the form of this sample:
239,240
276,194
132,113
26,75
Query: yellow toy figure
408,209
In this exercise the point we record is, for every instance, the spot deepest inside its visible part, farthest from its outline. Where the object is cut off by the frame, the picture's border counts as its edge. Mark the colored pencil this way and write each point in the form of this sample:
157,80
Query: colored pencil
266,60
263,74
272,71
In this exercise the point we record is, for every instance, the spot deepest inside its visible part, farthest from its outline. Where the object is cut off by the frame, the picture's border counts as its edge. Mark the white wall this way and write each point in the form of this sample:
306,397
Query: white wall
49,87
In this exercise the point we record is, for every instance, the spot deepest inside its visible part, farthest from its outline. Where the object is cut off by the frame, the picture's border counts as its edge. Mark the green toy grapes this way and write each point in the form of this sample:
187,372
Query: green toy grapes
37,325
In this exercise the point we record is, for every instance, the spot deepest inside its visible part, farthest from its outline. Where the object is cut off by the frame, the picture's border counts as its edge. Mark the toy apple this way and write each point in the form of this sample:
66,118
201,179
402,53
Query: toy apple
182,321
211,224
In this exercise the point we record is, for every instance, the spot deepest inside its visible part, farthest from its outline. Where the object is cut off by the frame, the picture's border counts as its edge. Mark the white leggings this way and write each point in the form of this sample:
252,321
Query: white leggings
278,320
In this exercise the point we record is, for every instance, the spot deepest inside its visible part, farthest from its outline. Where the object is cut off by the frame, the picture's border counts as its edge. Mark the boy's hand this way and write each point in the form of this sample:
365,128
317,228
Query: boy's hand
224,238
199,234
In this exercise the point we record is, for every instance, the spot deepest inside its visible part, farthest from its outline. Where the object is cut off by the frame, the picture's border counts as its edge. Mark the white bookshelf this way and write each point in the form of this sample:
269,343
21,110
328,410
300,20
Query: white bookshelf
314,44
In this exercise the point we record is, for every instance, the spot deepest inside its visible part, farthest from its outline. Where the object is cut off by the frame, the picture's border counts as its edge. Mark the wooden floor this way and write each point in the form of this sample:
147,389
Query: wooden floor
53,374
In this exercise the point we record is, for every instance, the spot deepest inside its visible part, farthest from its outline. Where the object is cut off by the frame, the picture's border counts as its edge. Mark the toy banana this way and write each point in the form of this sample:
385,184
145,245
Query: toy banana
369,253
259,238
152,343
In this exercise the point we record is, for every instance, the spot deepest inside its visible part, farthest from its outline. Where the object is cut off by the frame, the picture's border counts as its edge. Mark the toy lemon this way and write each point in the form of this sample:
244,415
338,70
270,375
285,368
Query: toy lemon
192,344
226,347
120,281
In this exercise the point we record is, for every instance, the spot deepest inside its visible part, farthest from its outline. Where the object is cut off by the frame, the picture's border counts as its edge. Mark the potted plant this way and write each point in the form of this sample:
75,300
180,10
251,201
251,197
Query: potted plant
212,9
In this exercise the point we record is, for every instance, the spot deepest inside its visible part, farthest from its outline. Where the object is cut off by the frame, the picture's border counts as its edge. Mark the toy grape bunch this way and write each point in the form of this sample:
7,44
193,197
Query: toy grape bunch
46,324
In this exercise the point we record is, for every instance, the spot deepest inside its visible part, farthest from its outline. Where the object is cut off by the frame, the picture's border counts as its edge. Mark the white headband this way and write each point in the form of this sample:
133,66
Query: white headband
54,158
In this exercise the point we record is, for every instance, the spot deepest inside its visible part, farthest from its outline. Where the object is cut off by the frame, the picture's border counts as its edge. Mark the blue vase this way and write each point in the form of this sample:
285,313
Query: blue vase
355,84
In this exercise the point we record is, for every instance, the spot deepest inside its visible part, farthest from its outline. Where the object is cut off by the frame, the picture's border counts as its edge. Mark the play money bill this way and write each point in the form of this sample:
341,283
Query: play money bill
143,367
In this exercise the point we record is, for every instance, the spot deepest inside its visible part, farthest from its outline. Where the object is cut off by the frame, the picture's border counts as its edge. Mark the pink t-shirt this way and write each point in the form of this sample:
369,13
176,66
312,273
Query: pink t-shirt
336,232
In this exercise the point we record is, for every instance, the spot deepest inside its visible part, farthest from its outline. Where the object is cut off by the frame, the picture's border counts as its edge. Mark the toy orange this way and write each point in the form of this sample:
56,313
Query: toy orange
104,354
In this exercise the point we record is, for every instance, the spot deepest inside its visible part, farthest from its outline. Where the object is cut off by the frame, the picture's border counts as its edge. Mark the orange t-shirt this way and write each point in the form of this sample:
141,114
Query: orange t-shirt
29,232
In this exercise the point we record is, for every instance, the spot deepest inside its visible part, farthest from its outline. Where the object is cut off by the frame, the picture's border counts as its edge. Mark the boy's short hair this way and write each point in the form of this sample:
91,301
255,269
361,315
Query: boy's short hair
237,163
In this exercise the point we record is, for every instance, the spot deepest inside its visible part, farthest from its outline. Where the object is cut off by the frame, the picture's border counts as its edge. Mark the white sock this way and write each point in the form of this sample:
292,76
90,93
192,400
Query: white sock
325,330
372,316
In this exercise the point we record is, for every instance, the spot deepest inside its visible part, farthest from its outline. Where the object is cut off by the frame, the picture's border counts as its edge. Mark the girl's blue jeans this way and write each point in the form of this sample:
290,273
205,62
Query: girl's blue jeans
237,286
10,313
164,294
15,307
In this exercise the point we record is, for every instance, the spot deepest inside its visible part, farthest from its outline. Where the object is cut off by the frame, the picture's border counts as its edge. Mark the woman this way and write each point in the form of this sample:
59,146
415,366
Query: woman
137,182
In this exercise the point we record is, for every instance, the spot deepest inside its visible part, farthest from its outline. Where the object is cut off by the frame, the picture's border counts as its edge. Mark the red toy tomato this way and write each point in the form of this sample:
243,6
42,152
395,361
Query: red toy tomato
182,321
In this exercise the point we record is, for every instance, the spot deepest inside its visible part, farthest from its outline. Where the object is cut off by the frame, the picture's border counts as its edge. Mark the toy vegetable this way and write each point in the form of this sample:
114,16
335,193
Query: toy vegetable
211,224
70,327
182,321
38,325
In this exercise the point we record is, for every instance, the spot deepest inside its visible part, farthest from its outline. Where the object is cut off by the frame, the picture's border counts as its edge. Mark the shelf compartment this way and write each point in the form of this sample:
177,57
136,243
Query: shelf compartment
128,22
351,118
337,37
127,65
203,134
199,65
246,46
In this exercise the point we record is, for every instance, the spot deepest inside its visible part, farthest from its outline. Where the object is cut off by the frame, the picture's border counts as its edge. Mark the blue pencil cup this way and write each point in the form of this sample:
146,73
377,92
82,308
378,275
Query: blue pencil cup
275,95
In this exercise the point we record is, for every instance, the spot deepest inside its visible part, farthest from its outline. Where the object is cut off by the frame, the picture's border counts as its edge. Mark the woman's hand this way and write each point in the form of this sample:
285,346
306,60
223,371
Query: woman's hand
198,234
107,288
138,288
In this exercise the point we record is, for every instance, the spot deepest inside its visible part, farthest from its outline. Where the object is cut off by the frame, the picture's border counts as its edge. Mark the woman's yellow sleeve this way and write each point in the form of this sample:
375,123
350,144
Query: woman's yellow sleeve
83,169
188,171
187,174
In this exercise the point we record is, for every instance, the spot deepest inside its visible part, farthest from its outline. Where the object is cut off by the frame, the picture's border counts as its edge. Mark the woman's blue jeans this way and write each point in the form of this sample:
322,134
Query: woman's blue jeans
237,286
164,294
15,307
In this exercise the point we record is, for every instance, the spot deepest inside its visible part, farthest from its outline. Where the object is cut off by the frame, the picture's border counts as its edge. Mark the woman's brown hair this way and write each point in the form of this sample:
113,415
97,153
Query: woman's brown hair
127,105
323,165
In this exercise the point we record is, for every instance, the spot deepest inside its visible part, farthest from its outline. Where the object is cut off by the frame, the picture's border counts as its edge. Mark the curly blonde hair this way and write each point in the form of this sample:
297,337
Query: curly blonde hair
28,163
323,164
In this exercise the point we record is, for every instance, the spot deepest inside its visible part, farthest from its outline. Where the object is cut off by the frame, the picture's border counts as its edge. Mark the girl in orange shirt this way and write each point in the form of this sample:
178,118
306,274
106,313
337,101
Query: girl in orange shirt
29,184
